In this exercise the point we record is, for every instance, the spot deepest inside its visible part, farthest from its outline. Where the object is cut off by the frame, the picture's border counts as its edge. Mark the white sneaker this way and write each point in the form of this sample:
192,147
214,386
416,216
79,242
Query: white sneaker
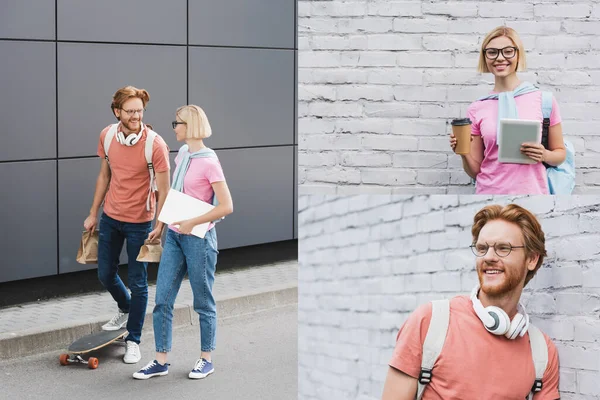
117,322
132,355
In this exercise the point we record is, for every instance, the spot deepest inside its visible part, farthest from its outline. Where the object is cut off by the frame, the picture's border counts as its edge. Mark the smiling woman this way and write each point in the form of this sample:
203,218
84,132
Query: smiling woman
503,54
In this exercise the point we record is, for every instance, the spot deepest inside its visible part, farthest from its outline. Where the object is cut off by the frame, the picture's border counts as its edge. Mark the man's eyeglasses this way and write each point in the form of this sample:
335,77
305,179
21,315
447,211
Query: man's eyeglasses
501,249
507,52
131,113
175,123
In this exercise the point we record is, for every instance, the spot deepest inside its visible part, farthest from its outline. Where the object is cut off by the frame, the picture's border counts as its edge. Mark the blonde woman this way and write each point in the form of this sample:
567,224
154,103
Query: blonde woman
199,174
502,54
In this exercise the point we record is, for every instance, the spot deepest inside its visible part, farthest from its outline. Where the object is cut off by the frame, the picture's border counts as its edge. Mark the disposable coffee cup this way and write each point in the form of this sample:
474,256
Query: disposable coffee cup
462,130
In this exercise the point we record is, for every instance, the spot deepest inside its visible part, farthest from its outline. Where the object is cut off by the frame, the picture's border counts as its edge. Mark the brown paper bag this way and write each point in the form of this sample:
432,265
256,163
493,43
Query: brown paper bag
88,248
150,251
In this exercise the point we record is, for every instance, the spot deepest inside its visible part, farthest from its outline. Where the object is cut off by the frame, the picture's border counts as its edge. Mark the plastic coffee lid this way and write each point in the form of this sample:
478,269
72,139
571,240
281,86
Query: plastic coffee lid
461,121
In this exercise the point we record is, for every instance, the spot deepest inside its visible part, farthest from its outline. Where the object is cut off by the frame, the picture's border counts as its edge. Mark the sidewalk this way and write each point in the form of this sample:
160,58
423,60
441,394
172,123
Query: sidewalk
53,324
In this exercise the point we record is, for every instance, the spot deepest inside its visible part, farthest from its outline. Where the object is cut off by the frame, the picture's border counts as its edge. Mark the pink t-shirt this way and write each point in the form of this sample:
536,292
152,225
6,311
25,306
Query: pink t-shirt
198,180
498,178
473,364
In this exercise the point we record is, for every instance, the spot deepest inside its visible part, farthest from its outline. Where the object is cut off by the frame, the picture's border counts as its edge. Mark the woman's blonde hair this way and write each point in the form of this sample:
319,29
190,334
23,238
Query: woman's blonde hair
513,36
195,120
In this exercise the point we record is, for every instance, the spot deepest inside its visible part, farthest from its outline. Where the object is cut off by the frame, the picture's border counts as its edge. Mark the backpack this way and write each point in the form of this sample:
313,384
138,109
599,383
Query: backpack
561,179
436,336
151,135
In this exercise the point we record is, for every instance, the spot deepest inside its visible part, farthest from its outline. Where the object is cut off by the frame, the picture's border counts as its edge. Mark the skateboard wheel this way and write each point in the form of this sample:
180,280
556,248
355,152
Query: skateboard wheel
93,363
64,359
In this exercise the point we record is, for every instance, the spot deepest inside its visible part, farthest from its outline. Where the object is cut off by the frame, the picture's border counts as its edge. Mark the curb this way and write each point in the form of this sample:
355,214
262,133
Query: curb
58,336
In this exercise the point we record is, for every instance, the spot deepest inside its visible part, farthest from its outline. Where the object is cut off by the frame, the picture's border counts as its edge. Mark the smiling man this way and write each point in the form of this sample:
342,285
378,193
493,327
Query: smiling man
134,175
484,343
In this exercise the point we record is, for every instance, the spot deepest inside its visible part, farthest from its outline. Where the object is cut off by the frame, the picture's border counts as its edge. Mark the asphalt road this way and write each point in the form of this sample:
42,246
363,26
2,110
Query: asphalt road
256,359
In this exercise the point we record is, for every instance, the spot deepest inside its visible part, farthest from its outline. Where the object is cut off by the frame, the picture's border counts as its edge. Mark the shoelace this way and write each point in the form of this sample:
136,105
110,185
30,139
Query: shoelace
131,346
116,318
200,364
150,365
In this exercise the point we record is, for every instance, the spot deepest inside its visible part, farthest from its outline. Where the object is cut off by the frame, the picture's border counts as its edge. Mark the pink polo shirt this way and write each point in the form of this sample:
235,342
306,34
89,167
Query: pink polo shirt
498,178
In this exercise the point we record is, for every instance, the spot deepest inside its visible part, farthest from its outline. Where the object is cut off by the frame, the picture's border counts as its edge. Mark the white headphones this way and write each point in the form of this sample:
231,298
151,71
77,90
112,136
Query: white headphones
131,139
496,321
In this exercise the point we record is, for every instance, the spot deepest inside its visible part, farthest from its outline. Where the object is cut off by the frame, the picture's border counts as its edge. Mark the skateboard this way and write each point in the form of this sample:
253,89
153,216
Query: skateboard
90,343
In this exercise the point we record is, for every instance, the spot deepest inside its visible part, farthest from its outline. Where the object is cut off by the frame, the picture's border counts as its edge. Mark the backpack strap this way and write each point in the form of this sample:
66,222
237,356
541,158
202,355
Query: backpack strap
539,352
108,139
546,112
434,341
151,135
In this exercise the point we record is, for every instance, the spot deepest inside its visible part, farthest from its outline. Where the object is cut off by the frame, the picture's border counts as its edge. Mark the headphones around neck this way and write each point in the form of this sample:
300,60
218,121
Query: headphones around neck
130,139
496,321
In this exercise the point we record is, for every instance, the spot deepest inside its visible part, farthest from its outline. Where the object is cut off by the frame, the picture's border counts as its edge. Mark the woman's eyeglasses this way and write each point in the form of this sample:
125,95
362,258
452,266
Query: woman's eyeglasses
507,52
175,123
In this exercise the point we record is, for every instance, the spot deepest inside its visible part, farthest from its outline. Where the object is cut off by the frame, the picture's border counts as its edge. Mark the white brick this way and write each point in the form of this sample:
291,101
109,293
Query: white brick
313,125
338,8
391,143
452,9
421,25
588,382
393,110
422,126
529,27
571,356
374,93
317,159
424,59
504,10
388,177
562,10
365,25
570,303
556,44
333,175
451,76
366,159
437,144
318,59
591,277
547,61
367,125
440,111
389,76
419,93
433,178
446,282
336,76
561,226
395,8
568,381
327,109
449,42
368,59
316,92
394,42
414,160
353,42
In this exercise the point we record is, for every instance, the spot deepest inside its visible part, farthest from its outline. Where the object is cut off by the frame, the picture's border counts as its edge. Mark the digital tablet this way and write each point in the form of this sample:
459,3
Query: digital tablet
513,133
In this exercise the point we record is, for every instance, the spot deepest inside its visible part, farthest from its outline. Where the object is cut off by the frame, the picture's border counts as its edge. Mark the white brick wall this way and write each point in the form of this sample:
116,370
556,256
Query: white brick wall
366,262
379,80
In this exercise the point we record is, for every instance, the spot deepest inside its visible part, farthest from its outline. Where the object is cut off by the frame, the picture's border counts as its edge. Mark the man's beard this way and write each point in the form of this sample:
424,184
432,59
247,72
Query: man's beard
511,280
130,126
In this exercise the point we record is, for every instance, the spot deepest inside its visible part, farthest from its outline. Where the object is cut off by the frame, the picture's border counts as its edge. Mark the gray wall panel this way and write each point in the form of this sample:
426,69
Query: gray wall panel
27,19
247,95
132,21
251,23
89,75
28,100
28,214
76,184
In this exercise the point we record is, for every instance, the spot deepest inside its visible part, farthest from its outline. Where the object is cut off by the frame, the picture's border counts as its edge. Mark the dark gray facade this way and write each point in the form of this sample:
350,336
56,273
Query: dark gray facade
62,60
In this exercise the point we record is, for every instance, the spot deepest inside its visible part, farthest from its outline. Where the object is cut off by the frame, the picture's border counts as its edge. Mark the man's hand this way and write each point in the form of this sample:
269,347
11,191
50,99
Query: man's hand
156,234
184,227
90,223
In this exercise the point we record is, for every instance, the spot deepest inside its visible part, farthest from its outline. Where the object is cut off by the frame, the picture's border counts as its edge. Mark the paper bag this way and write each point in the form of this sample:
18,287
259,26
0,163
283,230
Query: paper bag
150,252
88,248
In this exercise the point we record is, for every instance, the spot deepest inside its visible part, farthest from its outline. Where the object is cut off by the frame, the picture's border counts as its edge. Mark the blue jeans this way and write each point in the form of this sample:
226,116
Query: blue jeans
111,235
198,257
